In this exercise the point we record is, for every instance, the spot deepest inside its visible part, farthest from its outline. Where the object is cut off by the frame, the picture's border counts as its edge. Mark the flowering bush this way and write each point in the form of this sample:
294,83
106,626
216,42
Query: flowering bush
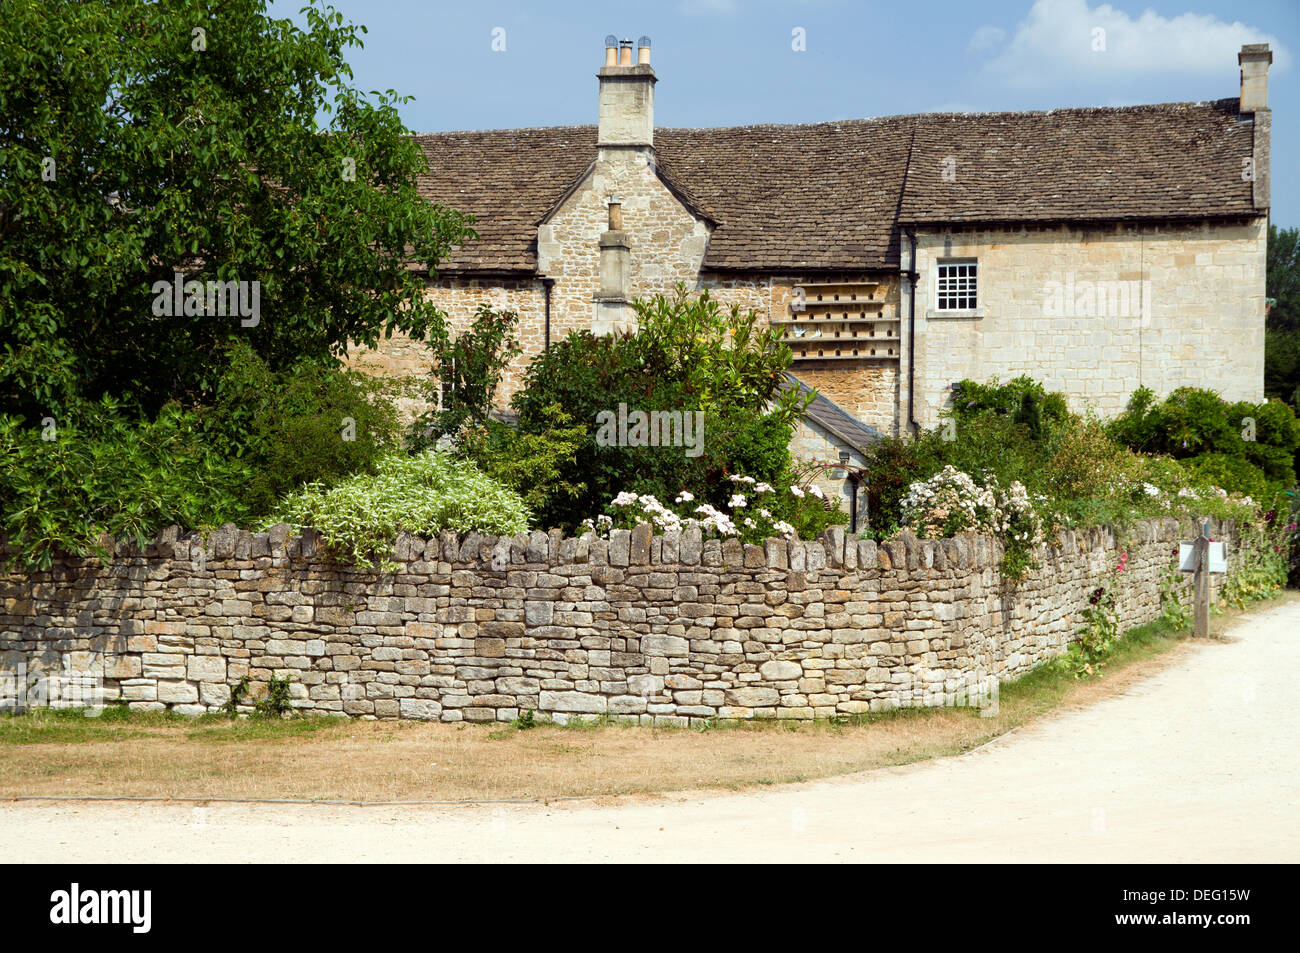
423,494
750,512
689,355
952,502
1261,563
948,503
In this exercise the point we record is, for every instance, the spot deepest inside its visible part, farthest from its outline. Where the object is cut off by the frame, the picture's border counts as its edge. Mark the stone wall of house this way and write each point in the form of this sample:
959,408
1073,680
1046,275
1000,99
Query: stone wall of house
663,629
460,298
668,242
867,389
818,449
1204,326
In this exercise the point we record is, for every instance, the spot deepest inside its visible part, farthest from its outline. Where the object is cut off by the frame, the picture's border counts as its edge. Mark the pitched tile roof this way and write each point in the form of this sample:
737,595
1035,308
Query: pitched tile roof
832,417
507,179
832,196
1178,160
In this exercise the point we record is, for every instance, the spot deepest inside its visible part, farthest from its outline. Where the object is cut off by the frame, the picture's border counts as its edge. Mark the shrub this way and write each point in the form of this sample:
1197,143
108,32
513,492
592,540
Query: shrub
1192,422
537,466
950,502
1234,474
311,423
1087,462
105,471
1023,399
689,354
423,494
1261,563
466,374
993,448
1088,470
892,465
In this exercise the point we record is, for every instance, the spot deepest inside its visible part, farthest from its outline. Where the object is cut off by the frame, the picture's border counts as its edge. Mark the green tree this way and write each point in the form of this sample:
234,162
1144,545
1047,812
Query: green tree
140,139
1283,277
1282,329
310,423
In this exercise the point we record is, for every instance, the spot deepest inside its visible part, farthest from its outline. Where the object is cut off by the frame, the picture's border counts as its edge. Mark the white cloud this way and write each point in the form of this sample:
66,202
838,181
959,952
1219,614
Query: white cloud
1067,40
986,38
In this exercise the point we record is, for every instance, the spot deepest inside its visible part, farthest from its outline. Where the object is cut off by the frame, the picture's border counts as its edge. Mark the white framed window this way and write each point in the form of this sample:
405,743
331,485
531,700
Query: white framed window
956,285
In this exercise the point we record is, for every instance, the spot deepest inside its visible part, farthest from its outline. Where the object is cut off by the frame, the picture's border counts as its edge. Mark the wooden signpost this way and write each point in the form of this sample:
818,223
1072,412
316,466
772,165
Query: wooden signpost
1201,557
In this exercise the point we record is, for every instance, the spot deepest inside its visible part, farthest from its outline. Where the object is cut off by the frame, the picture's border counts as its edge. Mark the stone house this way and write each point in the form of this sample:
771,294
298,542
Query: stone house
1095,249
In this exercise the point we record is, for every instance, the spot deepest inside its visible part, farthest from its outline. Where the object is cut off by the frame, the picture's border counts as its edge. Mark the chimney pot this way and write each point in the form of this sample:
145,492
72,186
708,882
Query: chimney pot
643,51
1254,60
625,111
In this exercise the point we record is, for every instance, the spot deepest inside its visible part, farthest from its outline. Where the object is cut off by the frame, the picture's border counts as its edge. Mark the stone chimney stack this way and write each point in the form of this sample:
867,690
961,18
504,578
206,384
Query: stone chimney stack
626,113
1254,59
613,302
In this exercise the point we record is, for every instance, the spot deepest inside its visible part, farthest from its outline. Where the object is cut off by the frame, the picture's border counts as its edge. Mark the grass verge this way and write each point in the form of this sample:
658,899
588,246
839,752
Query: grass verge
121,753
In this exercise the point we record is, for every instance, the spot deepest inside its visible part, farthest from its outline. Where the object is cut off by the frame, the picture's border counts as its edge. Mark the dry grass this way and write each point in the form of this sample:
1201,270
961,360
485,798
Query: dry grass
65,754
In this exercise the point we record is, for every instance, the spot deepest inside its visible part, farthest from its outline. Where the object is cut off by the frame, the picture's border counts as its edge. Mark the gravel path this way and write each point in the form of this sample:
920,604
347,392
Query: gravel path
1197,763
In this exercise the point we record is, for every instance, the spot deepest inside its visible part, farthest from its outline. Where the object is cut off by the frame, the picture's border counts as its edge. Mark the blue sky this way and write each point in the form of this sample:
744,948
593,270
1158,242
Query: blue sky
733,62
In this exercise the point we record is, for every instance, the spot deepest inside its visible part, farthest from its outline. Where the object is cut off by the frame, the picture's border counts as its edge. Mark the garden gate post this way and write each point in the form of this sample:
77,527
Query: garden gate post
1201,583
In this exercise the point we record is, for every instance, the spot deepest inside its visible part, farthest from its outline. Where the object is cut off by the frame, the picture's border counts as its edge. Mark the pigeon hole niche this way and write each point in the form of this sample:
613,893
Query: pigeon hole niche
839,321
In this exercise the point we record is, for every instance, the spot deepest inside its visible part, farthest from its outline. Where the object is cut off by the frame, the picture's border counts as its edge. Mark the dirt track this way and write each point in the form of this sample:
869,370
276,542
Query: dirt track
1197,763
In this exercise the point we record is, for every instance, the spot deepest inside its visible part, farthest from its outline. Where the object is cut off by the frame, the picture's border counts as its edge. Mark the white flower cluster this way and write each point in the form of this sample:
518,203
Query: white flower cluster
952,502
949,501
628,509
715,520
651,509
1017,515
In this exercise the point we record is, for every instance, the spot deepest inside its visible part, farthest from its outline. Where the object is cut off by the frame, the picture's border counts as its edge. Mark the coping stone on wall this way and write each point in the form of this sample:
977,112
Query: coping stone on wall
620,547
450,543
469,547
867,558
691,546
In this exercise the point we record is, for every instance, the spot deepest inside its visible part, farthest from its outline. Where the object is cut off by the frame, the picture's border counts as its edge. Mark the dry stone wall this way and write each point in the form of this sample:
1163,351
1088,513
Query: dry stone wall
661,628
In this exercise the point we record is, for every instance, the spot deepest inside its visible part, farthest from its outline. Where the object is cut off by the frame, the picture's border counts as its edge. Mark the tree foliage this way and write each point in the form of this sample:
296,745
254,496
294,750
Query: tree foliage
63,486
688,354
1282,330
138,140
310,423
1192,422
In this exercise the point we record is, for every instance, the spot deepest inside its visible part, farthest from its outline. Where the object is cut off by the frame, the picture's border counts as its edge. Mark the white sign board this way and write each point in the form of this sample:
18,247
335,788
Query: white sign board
1187,562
